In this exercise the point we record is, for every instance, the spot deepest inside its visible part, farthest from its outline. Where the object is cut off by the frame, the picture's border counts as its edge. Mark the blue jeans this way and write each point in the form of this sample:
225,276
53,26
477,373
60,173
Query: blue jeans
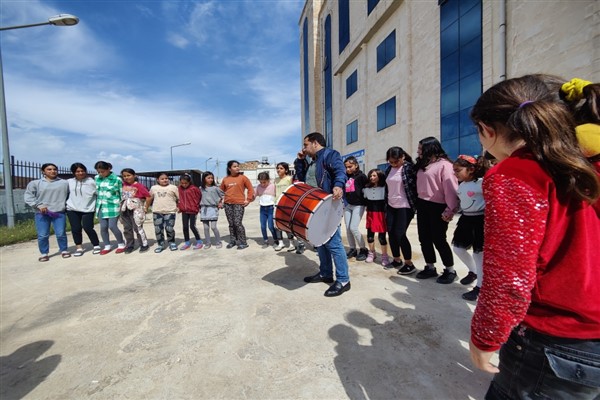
333,252
266,219
42,226
537,366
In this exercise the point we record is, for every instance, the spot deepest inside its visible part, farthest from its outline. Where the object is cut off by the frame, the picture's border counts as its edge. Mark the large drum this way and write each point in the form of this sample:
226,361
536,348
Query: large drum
308,212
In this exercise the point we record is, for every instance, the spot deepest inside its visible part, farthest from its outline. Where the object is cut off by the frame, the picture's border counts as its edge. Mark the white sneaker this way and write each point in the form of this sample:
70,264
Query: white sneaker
279,246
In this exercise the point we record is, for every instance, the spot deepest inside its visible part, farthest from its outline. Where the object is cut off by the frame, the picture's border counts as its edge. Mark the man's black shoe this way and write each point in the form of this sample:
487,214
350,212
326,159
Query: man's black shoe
337,289
318,278
129,250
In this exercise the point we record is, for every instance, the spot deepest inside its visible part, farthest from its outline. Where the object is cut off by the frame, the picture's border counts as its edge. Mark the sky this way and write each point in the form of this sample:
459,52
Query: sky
134,78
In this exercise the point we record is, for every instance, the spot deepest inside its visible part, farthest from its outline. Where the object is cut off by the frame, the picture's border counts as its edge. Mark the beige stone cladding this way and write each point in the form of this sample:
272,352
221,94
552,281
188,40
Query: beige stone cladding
518,37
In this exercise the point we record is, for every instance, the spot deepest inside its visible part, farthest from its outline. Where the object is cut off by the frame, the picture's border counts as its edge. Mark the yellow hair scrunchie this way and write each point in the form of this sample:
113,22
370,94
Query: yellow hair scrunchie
588,136
573,89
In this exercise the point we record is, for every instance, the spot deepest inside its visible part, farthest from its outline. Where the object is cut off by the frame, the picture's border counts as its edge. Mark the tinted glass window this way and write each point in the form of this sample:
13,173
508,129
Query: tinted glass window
352,132
344,23
371,5
386,51
352,84
460,74
386,114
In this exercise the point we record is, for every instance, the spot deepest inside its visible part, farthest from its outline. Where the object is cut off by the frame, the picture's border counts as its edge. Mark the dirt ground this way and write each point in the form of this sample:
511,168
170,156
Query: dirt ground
227,324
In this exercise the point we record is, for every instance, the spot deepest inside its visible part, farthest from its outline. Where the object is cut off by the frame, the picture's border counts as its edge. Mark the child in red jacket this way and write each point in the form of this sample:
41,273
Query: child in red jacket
189,207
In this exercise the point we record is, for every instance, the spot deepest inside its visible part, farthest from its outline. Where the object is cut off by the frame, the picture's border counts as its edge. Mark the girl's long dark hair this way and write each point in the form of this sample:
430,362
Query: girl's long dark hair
229,164
204,176
531,112
380,176
431,150
396,153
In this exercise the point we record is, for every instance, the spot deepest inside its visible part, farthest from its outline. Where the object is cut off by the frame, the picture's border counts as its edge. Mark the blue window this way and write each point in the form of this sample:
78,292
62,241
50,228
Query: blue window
305,75
328,85
352,84
386,51
352,132
371,4
386,114
344,23
460,74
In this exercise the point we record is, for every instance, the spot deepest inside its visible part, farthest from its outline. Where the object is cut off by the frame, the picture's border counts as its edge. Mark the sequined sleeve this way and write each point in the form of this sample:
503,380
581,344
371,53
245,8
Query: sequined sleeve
515,223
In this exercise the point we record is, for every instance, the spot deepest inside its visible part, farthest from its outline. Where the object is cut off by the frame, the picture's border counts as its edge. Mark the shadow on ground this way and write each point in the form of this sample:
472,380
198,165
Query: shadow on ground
22,371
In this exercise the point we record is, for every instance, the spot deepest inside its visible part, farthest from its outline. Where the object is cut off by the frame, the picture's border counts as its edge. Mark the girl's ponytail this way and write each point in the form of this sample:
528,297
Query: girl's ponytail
532,113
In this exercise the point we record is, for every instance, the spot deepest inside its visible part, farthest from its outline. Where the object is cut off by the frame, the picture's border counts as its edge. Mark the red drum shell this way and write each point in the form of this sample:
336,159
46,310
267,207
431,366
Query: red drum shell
308,212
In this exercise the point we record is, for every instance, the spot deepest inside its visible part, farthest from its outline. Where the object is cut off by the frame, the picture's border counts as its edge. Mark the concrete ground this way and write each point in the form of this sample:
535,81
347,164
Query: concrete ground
227,324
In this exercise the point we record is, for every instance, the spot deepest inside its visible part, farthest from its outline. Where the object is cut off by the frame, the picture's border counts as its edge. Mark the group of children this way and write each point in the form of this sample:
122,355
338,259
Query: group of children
430,188
111,198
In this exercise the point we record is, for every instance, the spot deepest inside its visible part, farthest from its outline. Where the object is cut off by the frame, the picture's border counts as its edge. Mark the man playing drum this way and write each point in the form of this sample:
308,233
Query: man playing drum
326,171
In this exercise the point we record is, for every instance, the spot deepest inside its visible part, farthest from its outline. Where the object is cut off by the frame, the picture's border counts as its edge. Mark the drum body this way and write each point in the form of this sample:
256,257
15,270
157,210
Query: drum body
308,212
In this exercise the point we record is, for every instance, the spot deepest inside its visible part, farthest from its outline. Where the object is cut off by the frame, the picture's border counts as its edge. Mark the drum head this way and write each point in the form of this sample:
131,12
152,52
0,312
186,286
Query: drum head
324,221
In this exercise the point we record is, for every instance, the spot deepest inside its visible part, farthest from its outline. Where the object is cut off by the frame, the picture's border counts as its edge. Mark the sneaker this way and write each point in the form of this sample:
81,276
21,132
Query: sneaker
427,273
292,249
362,255
393,264
104,252
144,249
231,245
470,278
406,269
279,246
129,250
96,250
300,249
351,253
172,246
185,246
472,295
207,246
242,246
385,260
159,249
369,258
120,250
218,246
198,246
447,277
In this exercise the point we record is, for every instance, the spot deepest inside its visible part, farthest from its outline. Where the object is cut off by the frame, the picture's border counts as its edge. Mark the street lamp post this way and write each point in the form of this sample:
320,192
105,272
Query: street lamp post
177,145
206,164
58,20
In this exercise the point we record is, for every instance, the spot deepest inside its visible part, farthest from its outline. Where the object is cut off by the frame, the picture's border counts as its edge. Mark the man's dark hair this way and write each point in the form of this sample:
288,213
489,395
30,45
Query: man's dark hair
316,137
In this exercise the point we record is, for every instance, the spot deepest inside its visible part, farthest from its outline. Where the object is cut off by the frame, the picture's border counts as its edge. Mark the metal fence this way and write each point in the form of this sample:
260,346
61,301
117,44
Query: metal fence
23,172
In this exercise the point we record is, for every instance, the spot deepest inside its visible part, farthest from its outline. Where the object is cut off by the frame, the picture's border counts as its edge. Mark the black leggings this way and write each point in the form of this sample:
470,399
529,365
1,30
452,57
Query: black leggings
380,237
189,222
79,220
398,220
432,232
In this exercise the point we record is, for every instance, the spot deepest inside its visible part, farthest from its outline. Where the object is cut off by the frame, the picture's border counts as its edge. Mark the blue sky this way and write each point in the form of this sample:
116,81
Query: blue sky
134,78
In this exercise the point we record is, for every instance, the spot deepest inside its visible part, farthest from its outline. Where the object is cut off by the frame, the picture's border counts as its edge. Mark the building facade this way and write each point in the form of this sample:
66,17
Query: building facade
382,73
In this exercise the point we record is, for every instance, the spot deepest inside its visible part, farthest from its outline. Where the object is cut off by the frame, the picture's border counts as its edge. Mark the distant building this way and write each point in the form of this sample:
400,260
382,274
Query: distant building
379,73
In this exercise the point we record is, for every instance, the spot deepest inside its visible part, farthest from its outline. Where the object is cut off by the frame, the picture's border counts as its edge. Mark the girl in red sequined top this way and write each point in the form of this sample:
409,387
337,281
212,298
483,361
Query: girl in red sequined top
539,298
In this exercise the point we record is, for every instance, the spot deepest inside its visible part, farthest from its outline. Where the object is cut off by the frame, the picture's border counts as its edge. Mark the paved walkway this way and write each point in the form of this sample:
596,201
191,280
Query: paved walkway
227,324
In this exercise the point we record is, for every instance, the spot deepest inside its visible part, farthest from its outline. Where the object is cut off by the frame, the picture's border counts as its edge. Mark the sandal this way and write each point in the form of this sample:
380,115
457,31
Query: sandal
44,258
78,253
65,254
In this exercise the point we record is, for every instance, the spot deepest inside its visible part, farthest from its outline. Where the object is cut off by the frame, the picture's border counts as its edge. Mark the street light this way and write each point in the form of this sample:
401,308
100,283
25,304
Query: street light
206,164
177,145
58,20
